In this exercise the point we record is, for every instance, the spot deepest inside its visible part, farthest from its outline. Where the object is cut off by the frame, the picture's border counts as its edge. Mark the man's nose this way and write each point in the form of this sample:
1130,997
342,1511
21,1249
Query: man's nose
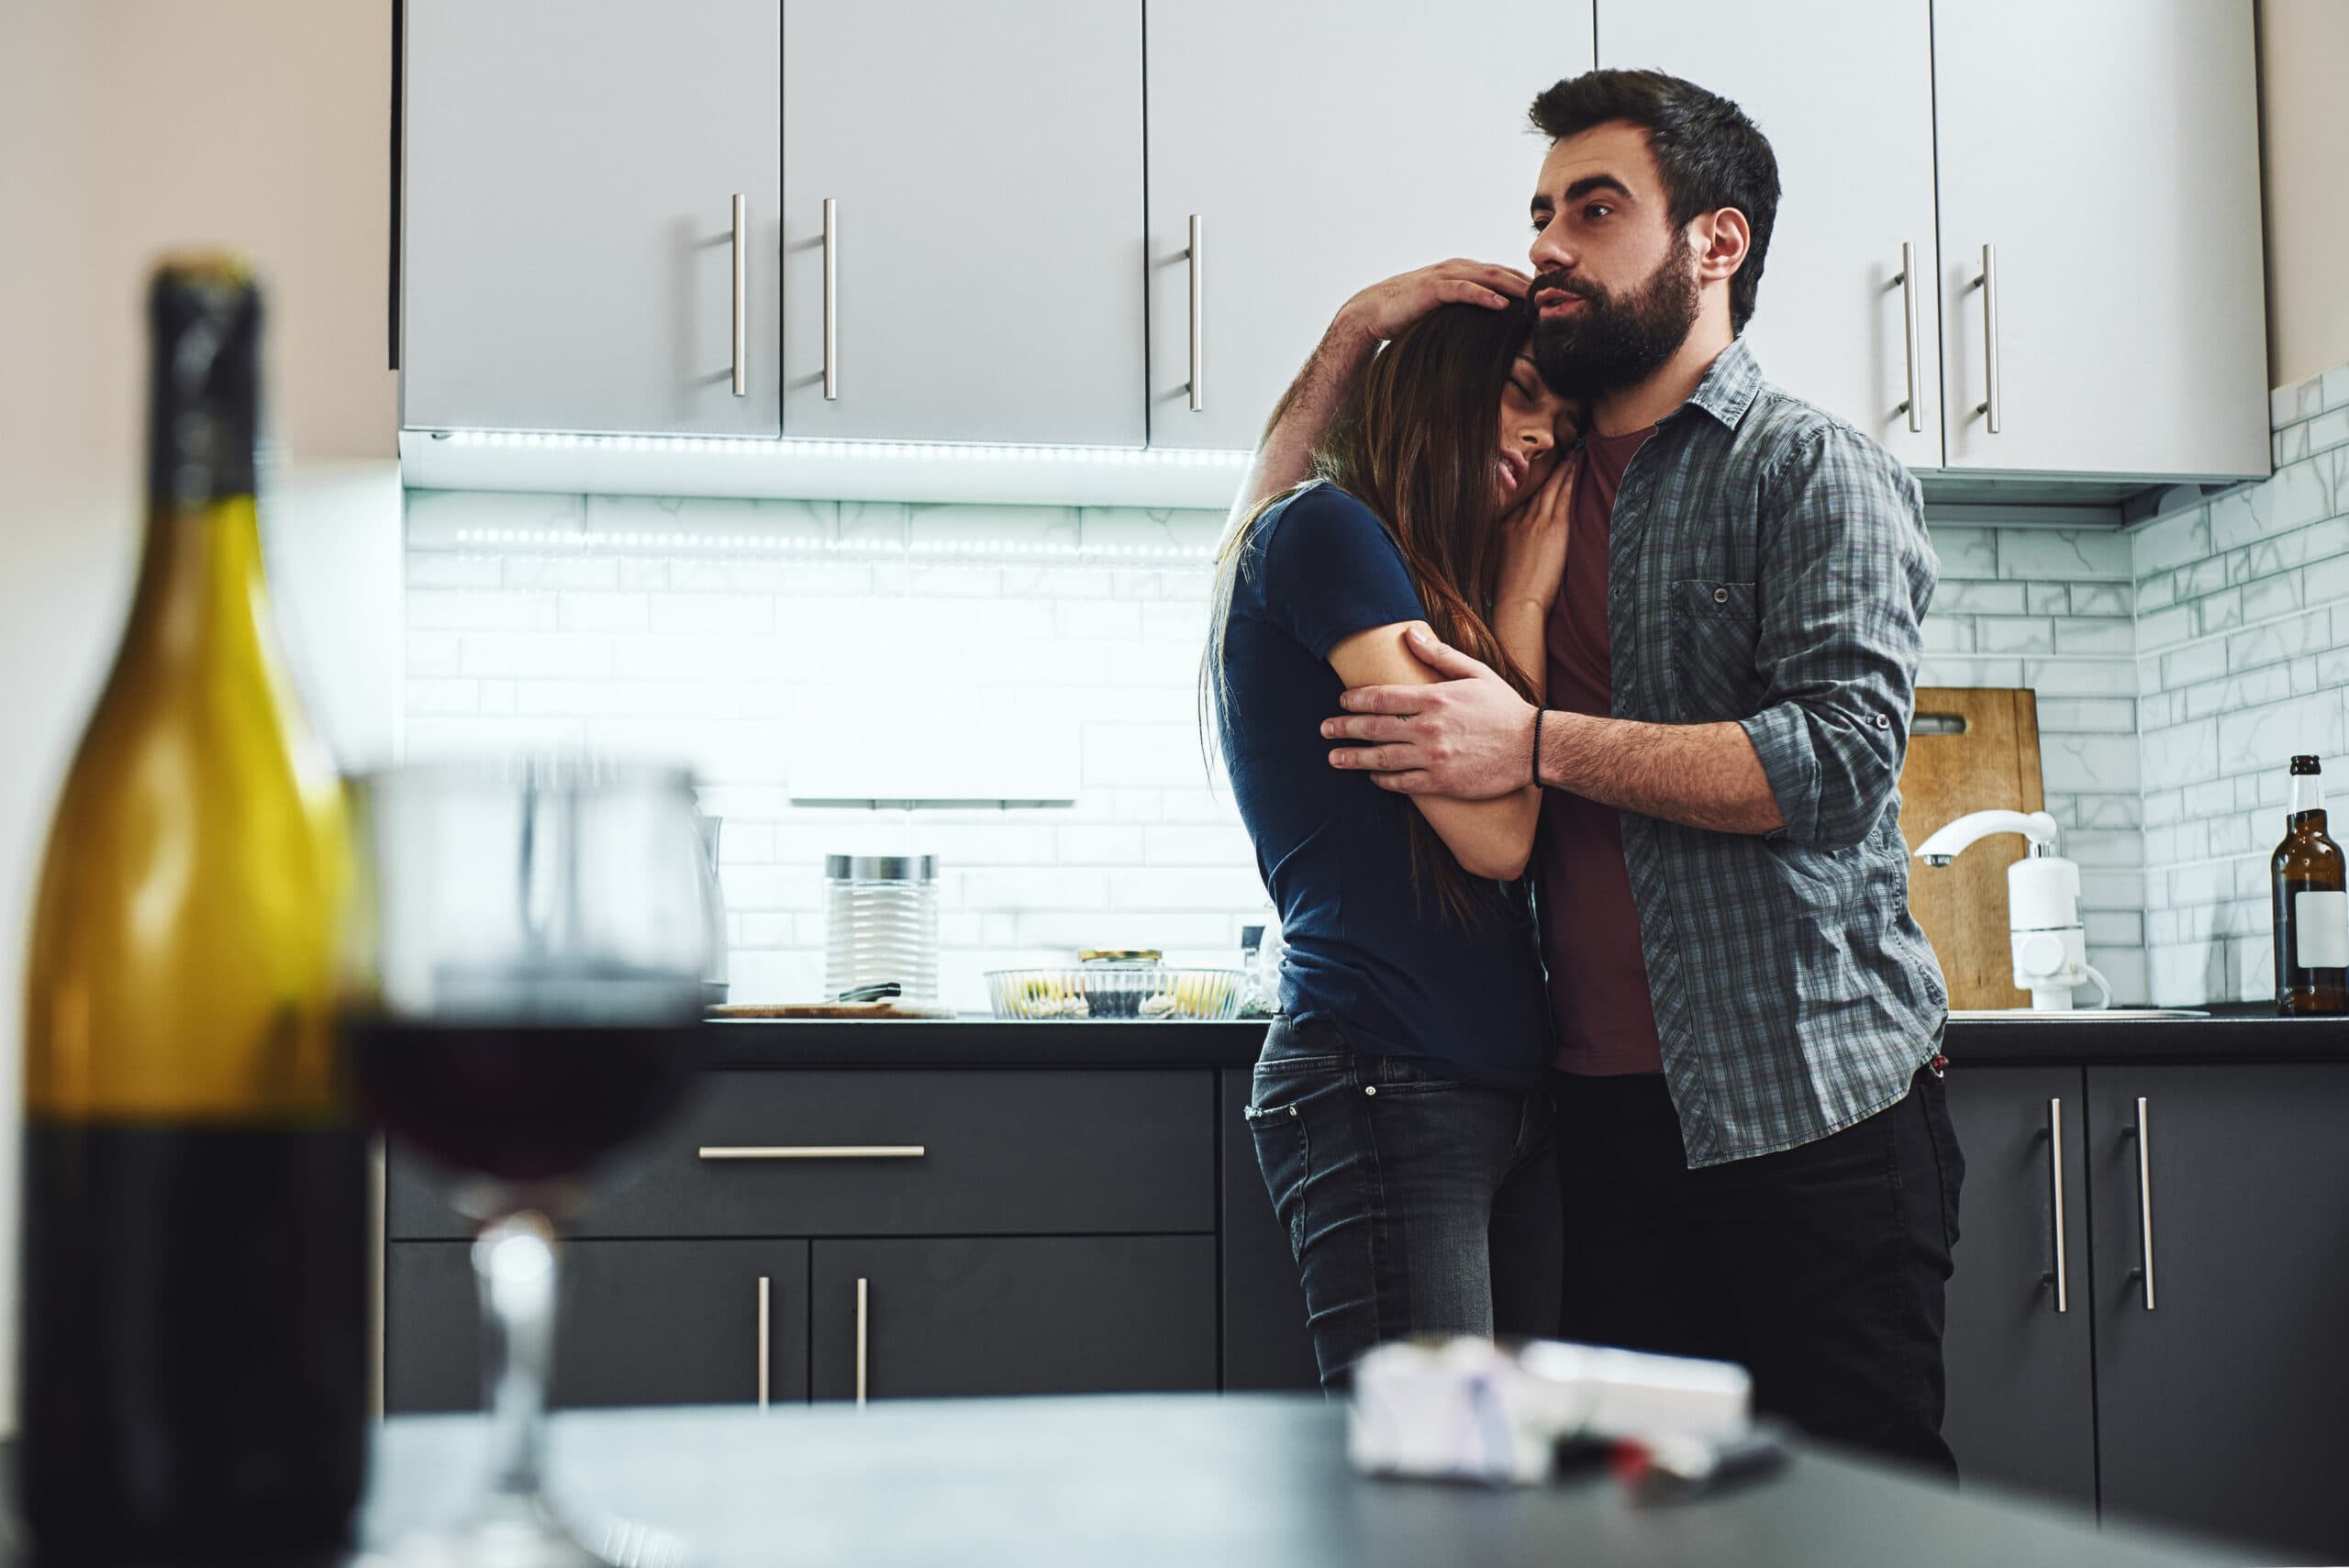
1549,254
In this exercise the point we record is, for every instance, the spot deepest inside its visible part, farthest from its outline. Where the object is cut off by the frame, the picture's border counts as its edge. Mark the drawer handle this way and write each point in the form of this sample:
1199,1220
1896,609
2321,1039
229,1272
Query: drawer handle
1198,256
863,1297
1915,405
765,1301
1988,284
741,296
832,299
2144,1270
2055,1188
812,1152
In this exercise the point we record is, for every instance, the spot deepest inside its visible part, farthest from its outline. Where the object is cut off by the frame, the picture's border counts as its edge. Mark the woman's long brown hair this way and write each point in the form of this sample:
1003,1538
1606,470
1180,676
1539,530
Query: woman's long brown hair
1415,442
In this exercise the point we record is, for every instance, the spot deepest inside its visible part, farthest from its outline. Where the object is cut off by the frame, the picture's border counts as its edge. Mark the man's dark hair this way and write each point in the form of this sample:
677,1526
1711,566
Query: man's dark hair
1709,154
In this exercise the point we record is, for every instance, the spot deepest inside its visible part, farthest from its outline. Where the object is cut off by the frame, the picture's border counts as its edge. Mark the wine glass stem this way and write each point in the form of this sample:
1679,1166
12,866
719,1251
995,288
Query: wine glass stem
514,1262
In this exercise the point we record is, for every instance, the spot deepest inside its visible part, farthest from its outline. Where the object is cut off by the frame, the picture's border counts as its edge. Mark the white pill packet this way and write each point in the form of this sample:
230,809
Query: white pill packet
1469,1410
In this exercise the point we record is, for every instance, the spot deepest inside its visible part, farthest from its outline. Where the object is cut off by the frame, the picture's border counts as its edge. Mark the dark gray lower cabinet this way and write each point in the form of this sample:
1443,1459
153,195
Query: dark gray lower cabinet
1015,1314
2020,1354
1265,1342
643,1323
2218,1399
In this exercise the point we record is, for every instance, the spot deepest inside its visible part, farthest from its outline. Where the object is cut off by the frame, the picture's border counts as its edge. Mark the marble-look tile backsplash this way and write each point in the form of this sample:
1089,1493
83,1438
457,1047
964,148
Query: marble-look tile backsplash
734,632
2243,644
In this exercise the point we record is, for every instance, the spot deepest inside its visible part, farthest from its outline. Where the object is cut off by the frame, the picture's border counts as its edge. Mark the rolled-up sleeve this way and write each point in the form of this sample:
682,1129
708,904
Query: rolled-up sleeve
1843,573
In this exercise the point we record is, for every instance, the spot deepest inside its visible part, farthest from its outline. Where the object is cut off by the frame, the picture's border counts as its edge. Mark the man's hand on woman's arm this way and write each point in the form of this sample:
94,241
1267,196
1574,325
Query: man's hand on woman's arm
1303,415
1471,737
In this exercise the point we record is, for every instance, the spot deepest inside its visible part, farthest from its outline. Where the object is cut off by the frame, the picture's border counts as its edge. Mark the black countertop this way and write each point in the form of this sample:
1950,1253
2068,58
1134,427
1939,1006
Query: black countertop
1186,1480
2234,1032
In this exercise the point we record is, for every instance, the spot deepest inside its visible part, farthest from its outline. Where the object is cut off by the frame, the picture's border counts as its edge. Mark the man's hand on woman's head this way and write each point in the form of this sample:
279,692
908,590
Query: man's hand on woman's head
1384,308
1470,737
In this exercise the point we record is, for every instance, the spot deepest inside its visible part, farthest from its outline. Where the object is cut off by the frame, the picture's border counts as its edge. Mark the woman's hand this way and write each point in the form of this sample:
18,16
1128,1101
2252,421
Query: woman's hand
1534,565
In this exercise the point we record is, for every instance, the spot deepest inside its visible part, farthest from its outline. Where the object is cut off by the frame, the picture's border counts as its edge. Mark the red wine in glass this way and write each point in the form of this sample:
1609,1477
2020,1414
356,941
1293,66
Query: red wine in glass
522,1105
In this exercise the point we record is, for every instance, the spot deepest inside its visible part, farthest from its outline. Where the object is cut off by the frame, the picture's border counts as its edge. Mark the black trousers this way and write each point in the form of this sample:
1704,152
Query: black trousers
1820,1269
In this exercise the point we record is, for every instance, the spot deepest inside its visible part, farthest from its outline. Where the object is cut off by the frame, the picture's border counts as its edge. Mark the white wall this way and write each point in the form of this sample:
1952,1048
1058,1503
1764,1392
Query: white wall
127,127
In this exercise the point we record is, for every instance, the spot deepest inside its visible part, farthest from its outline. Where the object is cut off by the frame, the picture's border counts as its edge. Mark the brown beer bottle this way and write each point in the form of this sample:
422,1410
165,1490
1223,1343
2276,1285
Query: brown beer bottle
2311,884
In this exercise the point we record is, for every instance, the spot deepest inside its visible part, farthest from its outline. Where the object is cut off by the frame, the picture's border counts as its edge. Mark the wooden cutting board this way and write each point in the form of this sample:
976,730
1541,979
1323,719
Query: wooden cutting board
1970,750
893,1008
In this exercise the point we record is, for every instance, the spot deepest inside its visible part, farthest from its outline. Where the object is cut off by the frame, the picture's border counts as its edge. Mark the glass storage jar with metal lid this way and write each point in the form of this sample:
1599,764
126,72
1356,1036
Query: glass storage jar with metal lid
881,924
1118,980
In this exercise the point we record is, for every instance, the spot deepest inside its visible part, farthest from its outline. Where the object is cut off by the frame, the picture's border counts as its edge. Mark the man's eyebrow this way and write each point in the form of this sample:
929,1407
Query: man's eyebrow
1583,187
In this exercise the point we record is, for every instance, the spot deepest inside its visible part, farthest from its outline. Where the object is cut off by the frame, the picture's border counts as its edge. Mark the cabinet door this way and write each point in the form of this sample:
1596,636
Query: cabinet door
1266,1342
641,1323
1845,91
2021,1379
982,166
1323,145
1032,1314
2109,151
568,215
2218,1403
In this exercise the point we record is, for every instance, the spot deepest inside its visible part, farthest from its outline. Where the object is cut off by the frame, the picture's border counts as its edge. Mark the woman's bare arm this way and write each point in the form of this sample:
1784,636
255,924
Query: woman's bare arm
1489,837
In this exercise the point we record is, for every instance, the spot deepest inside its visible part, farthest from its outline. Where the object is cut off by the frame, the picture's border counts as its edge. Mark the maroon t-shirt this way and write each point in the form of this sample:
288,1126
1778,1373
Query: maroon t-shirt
1598,976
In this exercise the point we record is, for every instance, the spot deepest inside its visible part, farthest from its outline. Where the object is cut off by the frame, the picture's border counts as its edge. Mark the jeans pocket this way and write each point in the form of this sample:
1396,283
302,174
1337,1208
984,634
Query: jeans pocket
1284,1155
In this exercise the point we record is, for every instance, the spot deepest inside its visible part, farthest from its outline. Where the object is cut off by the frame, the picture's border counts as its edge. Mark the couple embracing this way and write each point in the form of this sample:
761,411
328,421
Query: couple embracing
1563,668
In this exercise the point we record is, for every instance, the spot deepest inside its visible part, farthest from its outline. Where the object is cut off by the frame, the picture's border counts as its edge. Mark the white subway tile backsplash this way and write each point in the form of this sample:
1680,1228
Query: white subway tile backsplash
468,609
2068,554
433,652
2174,664
602,612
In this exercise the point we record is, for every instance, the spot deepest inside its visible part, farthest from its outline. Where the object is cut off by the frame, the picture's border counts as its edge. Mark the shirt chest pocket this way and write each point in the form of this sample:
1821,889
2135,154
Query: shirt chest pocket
1714,630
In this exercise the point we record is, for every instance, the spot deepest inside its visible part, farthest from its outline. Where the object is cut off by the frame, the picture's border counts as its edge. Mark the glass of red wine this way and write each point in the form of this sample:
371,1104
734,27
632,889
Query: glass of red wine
526,998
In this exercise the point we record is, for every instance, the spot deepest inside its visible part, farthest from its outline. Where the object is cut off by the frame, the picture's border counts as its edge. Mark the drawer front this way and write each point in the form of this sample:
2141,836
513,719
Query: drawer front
640,1323
1040,1315
1000,1153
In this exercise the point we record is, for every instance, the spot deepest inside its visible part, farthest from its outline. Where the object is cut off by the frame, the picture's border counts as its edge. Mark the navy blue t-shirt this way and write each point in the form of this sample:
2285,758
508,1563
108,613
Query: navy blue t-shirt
1382,961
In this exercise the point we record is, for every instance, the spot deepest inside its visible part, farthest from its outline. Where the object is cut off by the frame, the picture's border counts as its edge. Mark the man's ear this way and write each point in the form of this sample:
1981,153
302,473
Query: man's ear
1720,240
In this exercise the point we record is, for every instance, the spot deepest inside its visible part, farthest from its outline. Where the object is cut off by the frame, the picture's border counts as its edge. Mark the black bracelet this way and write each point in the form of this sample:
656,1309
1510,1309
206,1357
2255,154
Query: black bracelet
1538,714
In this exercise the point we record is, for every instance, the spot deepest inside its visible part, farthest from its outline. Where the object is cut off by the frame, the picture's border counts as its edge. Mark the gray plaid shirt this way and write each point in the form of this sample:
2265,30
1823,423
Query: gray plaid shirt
1768,564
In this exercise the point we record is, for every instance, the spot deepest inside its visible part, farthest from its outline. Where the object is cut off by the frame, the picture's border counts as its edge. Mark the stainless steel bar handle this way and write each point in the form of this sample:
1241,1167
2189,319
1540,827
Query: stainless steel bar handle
831,300
741,296
1198,317
1989,406
2055,1189
765,1301
1908,343
864,1301
2145,1199
811,1150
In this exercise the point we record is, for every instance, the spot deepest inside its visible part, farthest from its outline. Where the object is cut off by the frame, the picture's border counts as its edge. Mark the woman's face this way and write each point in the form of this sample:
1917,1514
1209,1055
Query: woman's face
1533,421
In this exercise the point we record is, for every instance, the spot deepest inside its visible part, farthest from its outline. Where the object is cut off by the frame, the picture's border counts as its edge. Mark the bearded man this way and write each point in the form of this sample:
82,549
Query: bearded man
1755,1152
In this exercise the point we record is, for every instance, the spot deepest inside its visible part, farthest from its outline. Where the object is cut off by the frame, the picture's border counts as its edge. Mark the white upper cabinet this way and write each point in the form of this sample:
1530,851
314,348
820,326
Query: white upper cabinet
570,251
963,220
1845,91
1323,145
2108,150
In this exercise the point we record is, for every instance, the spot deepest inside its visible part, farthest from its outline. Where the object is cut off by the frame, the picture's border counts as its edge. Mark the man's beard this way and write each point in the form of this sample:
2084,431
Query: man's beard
1611,344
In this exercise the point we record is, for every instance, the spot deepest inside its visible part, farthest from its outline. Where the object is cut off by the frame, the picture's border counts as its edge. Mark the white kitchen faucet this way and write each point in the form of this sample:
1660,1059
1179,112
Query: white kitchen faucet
2048,949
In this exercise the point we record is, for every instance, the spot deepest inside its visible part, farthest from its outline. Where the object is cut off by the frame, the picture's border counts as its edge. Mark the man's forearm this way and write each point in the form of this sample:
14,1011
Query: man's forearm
1705,775
1303,415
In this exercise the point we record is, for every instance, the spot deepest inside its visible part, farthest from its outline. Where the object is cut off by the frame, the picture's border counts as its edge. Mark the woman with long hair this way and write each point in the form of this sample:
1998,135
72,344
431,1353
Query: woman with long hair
1400,1109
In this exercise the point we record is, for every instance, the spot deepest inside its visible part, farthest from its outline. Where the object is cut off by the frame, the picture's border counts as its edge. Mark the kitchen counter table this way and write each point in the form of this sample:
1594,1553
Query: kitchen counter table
2231,1034
1188,1480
